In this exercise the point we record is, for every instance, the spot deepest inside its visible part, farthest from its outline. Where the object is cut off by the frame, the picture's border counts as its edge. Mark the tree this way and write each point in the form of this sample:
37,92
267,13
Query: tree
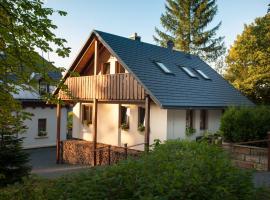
185,23
248,61
25,28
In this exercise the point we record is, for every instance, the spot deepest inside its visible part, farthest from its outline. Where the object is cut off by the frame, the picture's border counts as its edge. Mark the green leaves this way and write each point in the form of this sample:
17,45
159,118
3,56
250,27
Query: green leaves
249,62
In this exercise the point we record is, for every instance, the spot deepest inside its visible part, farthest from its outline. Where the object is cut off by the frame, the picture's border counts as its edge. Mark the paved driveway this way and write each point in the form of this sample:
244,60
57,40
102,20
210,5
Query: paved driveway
43,162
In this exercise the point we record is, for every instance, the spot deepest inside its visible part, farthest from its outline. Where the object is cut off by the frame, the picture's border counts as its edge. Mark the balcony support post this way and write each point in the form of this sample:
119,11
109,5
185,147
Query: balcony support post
58,132
147,124
95,131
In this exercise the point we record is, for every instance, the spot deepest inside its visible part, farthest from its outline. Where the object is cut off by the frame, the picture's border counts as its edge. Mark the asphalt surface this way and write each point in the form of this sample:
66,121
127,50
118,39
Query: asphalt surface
43,162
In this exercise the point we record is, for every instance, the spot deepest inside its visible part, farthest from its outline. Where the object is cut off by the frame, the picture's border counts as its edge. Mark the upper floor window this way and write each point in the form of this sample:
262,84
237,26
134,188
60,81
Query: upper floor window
87,112
42,129
43,87
203,74
119,68
188,72
106,68
203,119
163,67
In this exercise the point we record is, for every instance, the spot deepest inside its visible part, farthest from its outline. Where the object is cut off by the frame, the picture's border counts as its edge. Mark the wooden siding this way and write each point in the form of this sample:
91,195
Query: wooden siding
104,87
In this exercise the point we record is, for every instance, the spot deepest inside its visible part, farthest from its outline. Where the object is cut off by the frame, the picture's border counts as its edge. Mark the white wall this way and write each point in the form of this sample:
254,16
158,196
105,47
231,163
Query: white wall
214,117
164,125
32,140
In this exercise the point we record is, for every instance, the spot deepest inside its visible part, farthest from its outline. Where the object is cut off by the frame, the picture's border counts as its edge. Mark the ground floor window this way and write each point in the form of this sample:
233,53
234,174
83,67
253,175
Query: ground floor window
125,113
190,119
203,119
42,131
87,112
141,119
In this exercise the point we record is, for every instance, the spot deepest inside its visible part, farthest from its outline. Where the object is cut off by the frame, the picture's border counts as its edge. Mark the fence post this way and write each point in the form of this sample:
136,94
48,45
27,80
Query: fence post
268,142
109,154
126,153
61,152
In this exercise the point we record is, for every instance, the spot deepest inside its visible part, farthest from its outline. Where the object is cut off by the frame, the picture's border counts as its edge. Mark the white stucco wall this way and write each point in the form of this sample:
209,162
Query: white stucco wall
32,140
164,125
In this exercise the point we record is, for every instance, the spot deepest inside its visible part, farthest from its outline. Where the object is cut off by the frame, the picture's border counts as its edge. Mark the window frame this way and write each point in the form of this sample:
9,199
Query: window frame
203,74
125,119
188,72
106,67
42,122
203,120
141,116
84,118
163,67
190,117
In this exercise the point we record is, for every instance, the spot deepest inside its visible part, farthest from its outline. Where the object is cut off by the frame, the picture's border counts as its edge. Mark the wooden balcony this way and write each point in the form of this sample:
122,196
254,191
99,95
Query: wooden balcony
110,87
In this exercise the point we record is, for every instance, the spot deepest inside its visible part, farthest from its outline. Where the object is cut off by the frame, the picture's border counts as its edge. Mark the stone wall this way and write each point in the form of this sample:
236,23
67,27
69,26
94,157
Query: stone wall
81,152
248,157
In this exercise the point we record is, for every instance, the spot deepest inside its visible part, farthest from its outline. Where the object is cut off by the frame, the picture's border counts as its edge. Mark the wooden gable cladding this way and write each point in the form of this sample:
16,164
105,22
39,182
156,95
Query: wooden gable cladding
108,87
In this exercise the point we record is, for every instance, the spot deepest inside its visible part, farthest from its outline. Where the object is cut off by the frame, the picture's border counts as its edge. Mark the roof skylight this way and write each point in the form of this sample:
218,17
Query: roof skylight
164,67
189,72
202,74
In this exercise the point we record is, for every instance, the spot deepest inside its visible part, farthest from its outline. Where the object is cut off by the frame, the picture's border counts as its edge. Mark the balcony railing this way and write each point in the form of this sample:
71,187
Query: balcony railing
104,87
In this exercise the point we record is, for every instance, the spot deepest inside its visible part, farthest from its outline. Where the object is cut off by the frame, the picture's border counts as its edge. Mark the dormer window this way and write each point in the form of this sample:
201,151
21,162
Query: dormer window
163,67
43,87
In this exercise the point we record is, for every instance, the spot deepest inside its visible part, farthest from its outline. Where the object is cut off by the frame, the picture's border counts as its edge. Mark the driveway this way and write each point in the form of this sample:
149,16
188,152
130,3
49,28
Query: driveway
43,162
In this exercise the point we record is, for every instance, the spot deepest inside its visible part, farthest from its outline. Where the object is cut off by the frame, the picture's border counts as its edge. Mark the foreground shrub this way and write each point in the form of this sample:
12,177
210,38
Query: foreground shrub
174,170
245,123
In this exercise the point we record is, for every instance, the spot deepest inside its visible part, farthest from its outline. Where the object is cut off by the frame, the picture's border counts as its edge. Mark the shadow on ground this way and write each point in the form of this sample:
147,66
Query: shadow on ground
43,162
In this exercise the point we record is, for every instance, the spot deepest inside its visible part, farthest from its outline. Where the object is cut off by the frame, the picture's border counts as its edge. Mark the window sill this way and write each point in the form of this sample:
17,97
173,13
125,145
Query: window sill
41,137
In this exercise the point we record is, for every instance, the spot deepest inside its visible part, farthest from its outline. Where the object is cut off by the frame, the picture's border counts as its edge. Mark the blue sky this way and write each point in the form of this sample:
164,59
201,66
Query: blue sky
124,17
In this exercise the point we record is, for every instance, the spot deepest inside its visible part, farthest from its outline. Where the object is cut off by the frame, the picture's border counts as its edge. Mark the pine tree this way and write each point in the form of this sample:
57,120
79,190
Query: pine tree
185,23
13,160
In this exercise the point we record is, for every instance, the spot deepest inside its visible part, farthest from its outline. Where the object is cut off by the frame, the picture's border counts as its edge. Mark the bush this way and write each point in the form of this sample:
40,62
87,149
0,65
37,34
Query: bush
245,123
174,170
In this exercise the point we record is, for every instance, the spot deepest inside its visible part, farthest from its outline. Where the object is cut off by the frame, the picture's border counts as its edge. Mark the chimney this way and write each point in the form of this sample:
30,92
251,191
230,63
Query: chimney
170,44
135,36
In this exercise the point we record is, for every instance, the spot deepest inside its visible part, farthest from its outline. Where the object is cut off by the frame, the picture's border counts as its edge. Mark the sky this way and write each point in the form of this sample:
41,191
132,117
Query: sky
124,17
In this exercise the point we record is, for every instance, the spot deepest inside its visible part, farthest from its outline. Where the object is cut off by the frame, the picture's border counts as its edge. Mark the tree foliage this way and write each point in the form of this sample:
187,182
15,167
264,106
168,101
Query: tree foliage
248,61
25,28
185,23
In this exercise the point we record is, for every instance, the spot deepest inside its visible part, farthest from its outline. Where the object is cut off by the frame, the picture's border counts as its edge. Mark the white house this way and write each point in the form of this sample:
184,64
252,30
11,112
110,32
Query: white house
133,92
41,128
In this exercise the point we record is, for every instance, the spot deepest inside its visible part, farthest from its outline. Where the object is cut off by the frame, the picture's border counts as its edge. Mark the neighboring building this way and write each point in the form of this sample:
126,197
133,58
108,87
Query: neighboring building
126,85
41,129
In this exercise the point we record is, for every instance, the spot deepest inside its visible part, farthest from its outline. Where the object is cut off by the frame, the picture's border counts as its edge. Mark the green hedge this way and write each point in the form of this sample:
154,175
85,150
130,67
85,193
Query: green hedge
245,123
175,170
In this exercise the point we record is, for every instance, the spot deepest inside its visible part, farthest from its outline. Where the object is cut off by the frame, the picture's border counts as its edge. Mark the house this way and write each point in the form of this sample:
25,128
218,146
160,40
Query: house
41,128
133,92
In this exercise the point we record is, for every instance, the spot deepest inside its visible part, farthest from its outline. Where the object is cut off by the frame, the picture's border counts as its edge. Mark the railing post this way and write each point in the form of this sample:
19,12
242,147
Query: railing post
126,150
109,155
268,142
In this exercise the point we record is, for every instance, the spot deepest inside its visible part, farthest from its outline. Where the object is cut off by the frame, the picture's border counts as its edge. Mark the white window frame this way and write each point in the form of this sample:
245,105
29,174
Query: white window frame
203,74
164,67
189,72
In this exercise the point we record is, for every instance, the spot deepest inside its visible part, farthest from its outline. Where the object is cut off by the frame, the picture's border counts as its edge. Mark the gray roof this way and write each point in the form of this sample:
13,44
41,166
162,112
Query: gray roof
172,90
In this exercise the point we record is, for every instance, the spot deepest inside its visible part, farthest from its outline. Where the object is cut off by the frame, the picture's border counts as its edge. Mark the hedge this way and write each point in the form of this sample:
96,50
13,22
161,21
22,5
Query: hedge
174,170
245,123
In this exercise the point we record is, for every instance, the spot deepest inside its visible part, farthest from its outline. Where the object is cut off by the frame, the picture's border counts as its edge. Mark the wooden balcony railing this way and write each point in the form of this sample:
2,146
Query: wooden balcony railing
104,87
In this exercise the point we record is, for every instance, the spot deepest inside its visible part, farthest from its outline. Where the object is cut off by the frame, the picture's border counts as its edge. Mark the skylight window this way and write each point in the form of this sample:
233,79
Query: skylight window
202,74
163,67
189,72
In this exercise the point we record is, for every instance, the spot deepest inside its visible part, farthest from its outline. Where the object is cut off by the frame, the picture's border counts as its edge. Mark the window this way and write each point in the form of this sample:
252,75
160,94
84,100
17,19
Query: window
87,111
189,119
125,113
141,115
119,68
106,68
202,74
43,88
189,72
42,127
203,119
163,67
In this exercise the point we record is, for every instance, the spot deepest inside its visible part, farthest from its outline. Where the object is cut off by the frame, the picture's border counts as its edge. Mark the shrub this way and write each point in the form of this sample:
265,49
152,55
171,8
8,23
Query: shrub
174,170
245,123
